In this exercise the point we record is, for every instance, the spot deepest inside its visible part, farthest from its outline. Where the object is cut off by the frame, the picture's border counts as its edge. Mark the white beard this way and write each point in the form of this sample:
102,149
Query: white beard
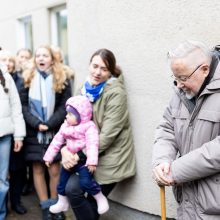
190,95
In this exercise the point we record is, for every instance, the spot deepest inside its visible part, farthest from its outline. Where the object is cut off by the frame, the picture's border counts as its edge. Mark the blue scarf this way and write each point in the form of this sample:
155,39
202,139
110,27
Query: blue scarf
92,92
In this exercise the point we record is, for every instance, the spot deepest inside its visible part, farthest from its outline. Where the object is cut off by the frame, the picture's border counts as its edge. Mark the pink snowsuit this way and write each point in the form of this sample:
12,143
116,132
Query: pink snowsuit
83,136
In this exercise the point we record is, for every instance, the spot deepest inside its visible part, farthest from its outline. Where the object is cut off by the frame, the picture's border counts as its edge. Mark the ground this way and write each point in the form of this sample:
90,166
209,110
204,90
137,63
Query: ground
117,212
34,212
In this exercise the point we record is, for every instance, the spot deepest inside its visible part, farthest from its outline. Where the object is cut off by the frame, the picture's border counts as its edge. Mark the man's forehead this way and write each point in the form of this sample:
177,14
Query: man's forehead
178,63
189,61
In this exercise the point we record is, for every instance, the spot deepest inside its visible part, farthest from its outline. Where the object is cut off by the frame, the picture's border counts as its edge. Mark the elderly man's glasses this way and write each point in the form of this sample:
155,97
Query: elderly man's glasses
185,78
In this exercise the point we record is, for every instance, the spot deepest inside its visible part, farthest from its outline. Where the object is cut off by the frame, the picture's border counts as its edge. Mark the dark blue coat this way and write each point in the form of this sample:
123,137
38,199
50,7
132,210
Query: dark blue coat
18,81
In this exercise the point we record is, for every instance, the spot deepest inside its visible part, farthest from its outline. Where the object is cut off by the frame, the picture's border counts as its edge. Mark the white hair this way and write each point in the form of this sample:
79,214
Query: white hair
187,47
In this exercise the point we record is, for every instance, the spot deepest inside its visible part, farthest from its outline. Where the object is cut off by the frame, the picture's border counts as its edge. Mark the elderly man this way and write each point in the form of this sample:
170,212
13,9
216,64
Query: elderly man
186,152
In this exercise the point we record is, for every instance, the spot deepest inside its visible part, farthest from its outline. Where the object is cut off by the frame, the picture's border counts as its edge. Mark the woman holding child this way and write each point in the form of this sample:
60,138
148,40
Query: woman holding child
105,90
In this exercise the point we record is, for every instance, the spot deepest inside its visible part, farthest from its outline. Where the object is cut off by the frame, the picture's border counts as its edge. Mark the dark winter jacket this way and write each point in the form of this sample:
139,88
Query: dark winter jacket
18,81
33,150
17,158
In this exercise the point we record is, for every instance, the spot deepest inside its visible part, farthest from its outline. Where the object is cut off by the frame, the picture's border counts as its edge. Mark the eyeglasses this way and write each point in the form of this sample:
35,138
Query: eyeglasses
185,78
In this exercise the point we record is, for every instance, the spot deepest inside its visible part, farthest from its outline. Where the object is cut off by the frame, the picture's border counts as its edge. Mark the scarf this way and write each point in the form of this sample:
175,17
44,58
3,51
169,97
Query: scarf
42,101
92,92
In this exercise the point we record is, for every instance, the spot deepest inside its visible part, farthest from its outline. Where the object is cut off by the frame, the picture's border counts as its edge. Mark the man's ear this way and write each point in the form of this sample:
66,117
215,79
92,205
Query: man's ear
205,69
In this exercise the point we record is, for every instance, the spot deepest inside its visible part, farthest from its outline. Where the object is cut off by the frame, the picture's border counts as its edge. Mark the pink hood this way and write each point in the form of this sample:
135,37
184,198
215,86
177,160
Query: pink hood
82,105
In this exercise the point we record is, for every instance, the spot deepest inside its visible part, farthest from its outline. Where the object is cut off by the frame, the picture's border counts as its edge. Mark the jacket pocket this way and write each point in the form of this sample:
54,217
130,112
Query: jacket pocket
212,116
208,125
208,195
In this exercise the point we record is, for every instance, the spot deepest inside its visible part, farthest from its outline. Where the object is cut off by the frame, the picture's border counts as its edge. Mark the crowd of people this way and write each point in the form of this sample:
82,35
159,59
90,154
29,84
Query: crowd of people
90,134
45,125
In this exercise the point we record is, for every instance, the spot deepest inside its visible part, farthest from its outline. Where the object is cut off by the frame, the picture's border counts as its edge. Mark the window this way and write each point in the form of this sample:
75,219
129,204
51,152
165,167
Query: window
59,29
25,38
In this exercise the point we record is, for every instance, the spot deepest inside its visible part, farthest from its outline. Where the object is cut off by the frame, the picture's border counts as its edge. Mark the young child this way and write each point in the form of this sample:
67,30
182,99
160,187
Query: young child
78,132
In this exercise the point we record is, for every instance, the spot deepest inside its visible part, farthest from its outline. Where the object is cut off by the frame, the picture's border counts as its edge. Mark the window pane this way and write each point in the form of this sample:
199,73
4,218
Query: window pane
61,17
28,35
27,32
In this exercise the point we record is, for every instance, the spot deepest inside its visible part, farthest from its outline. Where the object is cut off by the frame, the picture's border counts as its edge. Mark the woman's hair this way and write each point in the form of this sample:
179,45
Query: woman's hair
26,50
2,81
58,53
109,59
59,74
13,60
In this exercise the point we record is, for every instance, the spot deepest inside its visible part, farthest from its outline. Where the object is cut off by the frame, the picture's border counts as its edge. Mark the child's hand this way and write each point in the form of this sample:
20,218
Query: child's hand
91,168
47,163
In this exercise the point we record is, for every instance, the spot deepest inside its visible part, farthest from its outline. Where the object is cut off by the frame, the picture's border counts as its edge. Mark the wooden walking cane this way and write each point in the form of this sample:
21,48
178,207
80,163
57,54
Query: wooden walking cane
162,202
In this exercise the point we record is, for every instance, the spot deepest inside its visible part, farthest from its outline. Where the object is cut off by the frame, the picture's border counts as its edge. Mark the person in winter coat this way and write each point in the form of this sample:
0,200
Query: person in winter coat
46,89
105,90
23,56
186,151
58,53
17,162
12,128
80,133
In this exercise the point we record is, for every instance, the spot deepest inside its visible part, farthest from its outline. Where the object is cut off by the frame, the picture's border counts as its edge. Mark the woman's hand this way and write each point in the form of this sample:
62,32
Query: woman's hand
17,145
42,127
69,160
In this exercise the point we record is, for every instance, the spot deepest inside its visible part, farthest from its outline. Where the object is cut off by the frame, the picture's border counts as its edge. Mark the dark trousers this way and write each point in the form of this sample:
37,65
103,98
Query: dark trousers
16,183
86,180
84,208
17,174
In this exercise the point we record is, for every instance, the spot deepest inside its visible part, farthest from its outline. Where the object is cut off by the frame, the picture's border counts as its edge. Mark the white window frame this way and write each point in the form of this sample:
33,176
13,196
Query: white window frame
23,40
54,26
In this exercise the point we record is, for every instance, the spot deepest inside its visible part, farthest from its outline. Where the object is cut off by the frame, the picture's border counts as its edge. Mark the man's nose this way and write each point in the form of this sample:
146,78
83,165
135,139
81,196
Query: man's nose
179,84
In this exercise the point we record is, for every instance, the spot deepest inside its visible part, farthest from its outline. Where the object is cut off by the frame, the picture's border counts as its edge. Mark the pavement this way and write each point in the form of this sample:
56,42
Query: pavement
31,202
116,212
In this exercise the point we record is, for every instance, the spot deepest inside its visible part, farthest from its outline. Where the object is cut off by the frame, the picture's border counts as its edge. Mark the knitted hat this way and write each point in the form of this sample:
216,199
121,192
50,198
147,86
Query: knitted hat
71,109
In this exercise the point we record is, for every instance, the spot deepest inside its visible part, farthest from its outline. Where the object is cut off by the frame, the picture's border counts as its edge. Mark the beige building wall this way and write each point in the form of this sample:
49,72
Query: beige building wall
139,33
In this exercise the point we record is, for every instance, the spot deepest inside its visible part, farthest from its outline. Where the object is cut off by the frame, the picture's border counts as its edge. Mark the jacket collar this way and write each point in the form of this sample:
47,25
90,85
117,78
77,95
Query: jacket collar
215,81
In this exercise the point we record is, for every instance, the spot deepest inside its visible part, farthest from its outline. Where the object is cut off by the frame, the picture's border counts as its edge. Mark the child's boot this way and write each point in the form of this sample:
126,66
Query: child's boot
102,203
62,205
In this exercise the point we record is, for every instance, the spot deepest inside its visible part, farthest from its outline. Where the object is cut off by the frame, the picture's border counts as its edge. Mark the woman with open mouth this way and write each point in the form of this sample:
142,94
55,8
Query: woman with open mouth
46,89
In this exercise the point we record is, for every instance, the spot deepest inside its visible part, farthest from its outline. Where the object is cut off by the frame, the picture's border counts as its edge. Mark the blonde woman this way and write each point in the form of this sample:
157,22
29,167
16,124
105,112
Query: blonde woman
46,89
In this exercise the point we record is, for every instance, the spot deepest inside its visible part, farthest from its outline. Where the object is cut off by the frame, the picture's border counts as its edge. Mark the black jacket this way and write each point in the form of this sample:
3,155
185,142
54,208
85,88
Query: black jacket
33,150
17,158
